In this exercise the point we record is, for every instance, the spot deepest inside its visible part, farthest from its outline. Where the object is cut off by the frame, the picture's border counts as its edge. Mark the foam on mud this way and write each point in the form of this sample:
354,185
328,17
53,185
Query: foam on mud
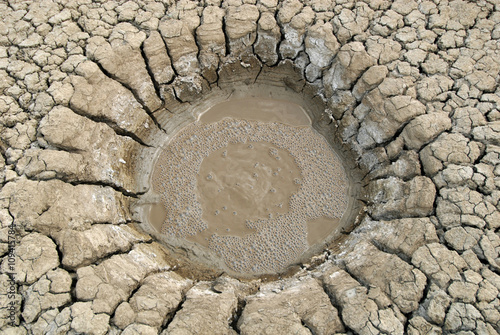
253,192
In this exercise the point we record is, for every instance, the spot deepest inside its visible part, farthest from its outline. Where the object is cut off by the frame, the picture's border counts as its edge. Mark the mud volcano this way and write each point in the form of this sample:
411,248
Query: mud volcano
258,193
250,167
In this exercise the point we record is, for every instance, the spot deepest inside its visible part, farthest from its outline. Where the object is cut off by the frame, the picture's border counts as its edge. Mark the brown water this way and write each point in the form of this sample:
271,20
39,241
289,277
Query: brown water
318,229
245,182
256,193
258,109
157,215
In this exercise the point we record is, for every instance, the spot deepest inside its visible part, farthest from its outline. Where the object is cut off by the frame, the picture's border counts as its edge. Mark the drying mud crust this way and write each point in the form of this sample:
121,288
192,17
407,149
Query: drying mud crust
249,190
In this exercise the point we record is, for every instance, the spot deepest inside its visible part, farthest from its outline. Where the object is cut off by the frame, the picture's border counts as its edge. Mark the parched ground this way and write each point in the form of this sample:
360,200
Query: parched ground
412,87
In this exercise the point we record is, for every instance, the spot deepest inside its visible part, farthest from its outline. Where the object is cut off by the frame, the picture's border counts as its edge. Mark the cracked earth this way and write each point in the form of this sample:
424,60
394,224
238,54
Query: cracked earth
409,89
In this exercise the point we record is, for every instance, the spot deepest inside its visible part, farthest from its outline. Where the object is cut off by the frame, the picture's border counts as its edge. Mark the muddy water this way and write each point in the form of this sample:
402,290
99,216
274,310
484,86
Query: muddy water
318,229
258,109
245,182
157,215
256,191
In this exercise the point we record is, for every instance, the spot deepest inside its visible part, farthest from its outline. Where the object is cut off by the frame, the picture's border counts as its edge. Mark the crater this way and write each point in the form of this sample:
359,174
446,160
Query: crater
250,186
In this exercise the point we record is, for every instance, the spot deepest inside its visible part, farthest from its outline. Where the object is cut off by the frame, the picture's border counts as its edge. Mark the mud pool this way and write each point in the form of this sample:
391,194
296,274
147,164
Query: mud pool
253,182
